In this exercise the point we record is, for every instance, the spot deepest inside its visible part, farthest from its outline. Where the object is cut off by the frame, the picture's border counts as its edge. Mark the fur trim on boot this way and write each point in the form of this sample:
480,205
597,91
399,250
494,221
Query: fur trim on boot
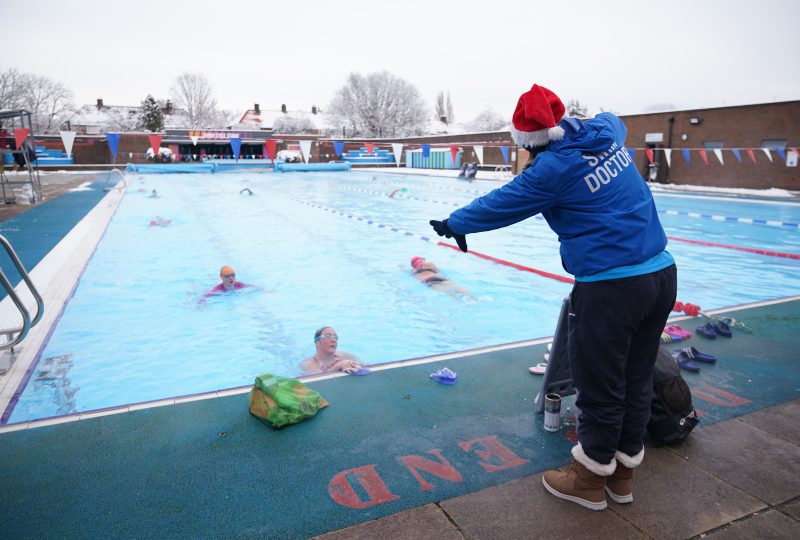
595,466
630,461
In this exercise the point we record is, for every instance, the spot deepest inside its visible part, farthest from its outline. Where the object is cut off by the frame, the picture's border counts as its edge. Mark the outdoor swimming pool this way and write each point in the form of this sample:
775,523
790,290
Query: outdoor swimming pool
332,249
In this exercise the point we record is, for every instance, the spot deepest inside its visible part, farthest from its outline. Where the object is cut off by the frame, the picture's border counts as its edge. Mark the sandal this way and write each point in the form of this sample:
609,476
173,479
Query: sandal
538,369
686,363
694,354
676,330
706,330
722,329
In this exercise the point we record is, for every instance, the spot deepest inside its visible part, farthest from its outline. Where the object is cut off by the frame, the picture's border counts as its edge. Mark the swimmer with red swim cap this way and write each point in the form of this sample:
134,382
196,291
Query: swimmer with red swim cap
428,273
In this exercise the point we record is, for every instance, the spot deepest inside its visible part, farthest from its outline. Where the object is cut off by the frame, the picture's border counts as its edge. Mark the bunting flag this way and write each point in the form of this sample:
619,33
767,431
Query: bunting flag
766,151
668,154
370,147
687,156
751,154
236,146
780,153
305,149
338,147
155,143
504,151
454,152
718,153
397,150
68,138
426,150
194,138
631,152
737,154
703,155
650,156
20,134
113,143
269,148
479,153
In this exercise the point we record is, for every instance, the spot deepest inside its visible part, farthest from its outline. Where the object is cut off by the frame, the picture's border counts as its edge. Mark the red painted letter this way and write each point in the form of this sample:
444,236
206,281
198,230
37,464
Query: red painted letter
493,448
343,493
725,399
441,468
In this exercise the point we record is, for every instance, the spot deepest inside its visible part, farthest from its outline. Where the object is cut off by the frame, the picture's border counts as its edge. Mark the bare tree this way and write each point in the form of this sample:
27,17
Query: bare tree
10,90
193,93
576,109
660,107
444,108
49,101
488,120
290,124
378,104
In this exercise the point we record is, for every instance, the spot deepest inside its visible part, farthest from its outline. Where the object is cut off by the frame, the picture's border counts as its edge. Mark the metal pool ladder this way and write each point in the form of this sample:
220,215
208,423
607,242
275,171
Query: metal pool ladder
15,335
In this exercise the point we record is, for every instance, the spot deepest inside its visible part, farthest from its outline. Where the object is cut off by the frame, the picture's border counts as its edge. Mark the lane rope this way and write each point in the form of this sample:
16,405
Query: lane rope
768,252
751,221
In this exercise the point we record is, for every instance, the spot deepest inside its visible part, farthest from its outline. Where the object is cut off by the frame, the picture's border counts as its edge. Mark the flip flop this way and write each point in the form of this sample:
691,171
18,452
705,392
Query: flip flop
707,331
546,357
538,369
722,329
676,330
694,354
686,363
666,337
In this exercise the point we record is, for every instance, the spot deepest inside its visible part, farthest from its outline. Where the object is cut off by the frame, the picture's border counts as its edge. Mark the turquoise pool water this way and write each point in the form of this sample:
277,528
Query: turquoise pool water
332,249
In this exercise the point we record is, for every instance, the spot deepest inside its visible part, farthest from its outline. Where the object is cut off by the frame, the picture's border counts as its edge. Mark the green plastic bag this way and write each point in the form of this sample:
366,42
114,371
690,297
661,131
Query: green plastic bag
281,401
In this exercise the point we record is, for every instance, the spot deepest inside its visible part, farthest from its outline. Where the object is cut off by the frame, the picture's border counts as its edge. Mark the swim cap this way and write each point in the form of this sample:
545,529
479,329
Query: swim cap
226,270
416,261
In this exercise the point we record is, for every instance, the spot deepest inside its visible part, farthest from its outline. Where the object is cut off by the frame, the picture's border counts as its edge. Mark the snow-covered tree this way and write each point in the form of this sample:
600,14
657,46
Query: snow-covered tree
576,109
151,118
193,93
488,120
10,89
378,104
49,101
289,124
444,108
660,107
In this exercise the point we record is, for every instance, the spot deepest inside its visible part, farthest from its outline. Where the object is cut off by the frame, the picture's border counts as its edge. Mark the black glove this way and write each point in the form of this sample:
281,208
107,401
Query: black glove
442,229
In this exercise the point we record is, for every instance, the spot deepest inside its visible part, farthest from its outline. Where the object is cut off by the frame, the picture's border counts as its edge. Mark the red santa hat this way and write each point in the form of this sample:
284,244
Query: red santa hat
535,120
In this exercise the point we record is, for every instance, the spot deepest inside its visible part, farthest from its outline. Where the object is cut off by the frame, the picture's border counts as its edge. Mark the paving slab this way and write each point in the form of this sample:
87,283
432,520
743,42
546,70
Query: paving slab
524,509
758,463
792,508
782,420
673,498
771,525
424,523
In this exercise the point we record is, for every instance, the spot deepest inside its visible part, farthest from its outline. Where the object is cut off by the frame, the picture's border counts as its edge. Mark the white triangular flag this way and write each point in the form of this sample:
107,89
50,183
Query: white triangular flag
718,153
305,148
479,153
668,155
766,151
194,138
397,150
68,137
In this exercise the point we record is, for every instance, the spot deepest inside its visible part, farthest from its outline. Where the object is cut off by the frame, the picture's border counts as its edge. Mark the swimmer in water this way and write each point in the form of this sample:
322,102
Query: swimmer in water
160,222
428,273
395,192
154,194
249,192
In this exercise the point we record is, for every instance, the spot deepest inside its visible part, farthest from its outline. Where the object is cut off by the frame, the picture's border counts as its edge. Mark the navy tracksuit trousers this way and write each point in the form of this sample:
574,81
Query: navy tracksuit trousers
614,330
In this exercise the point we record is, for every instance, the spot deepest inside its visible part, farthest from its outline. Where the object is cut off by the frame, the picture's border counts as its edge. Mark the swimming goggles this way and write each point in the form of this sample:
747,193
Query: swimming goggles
326,335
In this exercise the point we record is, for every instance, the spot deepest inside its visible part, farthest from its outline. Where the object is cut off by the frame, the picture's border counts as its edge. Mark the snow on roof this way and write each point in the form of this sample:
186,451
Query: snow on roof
265,119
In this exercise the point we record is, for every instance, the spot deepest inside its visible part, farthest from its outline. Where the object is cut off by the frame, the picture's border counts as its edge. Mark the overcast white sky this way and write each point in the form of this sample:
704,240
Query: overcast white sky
619,55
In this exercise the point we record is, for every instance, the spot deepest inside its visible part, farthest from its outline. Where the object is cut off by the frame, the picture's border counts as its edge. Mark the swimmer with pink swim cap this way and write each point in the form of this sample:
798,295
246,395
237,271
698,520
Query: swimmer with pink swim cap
428,273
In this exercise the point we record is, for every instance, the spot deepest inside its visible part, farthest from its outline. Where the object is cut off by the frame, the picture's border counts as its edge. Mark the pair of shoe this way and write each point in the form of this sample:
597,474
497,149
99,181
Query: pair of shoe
576,483
711,330
687,357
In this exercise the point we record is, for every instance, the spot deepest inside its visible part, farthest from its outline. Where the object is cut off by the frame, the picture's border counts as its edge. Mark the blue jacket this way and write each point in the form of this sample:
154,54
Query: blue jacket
590,193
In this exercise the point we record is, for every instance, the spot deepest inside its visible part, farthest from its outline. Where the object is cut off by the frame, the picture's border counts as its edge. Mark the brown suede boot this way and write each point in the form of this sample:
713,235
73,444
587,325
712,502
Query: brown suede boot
577,484
618,485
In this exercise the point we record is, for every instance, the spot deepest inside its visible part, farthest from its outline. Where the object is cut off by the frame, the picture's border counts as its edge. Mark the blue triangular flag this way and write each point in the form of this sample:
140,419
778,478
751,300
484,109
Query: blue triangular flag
338,147
631,152
686,155
736,153
113,143
426,150
780,153
236,144
504,150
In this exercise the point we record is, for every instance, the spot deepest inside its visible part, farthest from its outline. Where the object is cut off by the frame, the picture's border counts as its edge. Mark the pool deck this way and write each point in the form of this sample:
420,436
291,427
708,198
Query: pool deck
397,455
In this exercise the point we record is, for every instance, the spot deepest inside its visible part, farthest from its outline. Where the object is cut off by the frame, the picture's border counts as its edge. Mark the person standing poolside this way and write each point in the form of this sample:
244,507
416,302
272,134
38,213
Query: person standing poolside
229,283
584,183
327,358
428,273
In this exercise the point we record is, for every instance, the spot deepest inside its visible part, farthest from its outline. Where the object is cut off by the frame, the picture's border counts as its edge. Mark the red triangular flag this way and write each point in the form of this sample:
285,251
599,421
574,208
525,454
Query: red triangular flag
703,155
20,134
751,154
270,147
649,152
454,151
370,147
155,143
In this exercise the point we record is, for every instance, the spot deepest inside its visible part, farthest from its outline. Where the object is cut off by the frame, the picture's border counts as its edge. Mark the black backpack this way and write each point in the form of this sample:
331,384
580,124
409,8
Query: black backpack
672,415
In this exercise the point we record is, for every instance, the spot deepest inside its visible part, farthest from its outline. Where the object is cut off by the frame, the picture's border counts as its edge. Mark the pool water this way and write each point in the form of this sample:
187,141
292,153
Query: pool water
332,249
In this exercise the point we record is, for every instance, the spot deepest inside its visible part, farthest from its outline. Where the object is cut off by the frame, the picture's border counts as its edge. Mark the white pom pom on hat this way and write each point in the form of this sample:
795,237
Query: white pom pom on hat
535,120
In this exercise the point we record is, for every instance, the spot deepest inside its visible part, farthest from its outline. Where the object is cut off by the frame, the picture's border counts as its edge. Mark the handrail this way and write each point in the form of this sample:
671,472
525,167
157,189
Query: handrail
27,322
108,177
